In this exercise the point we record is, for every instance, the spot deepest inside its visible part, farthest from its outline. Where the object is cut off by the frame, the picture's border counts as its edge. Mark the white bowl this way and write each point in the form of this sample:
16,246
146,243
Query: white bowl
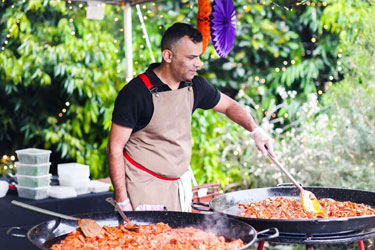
4,186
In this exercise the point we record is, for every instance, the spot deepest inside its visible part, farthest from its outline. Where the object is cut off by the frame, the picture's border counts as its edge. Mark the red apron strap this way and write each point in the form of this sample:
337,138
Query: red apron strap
146,81
147,170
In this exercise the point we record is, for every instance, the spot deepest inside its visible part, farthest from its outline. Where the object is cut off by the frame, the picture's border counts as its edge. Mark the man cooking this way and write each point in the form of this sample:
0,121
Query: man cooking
150,144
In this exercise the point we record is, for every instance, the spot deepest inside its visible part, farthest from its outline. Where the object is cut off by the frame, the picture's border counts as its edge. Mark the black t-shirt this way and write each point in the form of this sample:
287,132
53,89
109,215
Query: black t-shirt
134,106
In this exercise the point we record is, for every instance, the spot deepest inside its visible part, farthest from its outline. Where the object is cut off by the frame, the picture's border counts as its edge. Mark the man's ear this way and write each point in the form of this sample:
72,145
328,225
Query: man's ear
167,55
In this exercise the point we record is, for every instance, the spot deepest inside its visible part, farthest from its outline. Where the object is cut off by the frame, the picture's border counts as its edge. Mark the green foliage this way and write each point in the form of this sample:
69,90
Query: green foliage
58,81
335,146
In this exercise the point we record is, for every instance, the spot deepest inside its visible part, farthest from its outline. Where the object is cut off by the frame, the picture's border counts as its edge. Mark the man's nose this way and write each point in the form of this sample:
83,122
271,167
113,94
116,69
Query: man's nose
198,63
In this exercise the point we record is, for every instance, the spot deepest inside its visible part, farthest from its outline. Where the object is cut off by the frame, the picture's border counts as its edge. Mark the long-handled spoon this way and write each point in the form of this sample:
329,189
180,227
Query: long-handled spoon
309,201
128,223
89,227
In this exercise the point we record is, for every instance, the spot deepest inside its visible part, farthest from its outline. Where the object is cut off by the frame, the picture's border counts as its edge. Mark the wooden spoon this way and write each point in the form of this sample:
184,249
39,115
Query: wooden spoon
128,223
309,201
89,227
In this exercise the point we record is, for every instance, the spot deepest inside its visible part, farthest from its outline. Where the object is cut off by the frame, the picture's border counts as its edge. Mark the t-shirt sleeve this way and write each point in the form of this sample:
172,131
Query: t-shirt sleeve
206,95
128,107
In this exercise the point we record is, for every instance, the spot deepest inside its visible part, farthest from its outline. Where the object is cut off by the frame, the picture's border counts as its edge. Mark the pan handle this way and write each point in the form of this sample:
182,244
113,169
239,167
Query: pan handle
20,234
195,204
268,234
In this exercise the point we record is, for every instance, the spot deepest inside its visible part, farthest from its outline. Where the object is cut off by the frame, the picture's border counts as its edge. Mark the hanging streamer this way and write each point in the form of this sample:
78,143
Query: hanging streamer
203,21
223,30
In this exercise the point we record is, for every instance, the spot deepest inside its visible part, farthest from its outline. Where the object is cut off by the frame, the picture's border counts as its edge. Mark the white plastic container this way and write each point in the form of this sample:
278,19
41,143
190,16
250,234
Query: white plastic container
61,192
98,186
33,181
73,171
4,186
32,193
32,169
81,186
33,155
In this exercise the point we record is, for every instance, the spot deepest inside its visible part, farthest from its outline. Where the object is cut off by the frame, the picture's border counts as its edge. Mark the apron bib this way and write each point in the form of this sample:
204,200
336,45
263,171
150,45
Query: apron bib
159,154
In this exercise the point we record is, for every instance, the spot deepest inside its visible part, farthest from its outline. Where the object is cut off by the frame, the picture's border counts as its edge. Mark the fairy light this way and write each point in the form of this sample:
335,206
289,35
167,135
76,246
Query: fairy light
292,62
325,4
12,158
283,69
116,19
67,104
263,80
285,62
64,110
60,115
320,92
277,70
313,39
256,78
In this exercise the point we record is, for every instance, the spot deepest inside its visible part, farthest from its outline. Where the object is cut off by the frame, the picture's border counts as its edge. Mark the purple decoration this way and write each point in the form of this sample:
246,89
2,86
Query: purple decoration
223,27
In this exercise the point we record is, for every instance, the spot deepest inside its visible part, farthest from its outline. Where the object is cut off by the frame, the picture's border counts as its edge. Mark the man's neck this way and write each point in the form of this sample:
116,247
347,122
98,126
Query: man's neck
165,75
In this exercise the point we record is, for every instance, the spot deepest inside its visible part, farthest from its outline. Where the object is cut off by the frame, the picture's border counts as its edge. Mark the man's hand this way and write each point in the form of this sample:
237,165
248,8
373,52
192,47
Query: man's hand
125,205
263,142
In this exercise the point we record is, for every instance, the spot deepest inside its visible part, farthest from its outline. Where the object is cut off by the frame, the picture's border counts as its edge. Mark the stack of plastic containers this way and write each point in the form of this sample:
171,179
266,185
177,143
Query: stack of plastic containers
33,173
74,175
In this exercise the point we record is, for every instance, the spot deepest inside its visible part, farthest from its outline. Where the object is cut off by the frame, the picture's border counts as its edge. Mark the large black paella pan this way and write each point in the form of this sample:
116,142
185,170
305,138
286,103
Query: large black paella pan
227,204
47,233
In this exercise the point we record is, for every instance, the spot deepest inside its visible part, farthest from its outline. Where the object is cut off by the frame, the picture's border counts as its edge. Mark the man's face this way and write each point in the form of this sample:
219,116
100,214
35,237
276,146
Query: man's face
185,61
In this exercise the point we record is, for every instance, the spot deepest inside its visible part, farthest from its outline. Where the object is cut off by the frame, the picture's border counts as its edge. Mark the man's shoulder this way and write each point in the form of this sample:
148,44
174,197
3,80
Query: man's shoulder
134,90
199,80
135,85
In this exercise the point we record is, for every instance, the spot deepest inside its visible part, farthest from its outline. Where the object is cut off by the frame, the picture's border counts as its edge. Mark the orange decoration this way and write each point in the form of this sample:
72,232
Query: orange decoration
203,21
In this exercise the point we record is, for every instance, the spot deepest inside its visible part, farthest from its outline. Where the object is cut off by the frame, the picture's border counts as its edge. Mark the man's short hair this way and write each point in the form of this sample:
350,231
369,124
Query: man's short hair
177,31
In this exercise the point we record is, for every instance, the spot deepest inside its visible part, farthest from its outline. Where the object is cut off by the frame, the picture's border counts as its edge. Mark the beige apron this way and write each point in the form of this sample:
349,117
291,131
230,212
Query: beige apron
163,148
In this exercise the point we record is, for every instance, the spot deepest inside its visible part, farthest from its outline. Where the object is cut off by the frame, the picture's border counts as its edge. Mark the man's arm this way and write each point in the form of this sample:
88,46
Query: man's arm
118,137
234,111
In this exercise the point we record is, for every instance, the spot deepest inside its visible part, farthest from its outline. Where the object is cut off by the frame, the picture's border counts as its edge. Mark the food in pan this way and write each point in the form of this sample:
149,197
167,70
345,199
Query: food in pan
158,236
288,208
